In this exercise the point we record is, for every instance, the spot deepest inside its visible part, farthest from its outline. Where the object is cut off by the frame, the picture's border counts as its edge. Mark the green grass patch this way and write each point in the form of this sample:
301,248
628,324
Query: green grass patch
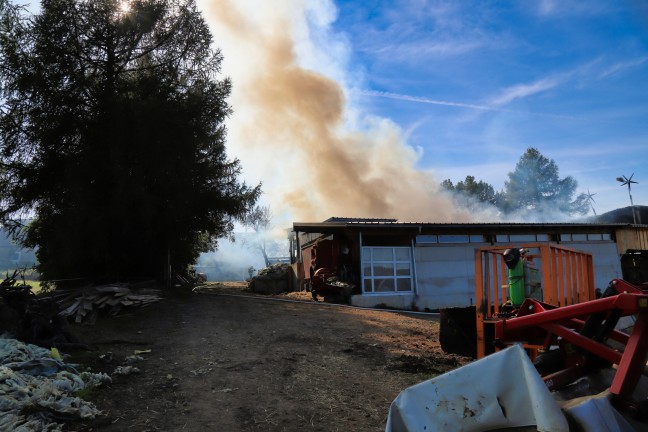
35,286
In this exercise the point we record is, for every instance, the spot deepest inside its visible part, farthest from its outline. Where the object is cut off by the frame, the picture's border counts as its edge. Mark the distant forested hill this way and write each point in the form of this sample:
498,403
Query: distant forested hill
622,215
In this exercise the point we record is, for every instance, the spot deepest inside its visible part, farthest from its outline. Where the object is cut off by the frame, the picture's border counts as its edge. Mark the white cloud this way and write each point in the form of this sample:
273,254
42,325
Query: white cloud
620,67
416,31
547,7
425,48
524,90
521,91
560,9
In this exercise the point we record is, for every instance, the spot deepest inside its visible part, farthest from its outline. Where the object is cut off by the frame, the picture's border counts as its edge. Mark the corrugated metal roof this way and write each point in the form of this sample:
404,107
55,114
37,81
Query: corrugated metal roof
340,223
354,220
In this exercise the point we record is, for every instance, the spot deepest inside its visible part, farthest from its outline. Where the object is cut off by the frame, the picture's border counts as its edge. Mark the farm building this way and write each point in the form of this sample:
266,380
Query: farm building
430,266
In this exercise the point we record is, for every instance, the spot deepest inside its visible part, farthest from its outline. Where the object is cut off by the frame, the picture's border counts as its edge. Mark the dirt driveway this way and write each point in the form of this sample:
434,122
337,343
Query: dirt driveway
224,362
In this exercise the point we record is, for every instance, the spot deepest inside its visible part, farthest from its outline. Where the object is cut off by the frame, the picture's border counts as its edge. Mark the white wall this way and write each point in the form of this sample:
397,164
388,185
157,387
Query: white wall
445,275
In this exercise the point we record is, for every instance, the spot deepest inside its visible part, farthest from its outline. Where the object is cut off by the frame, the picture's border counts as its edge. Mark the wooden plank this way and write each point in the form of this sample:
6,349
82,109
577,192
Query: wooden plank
496,288
503,283
479,302
547,274
560,285
573,278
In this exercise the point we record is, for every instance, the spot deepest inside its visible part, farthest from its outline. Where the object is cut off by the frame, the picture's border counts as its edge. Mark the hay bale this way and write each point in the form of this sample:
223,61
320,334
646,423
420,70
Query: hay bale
275,279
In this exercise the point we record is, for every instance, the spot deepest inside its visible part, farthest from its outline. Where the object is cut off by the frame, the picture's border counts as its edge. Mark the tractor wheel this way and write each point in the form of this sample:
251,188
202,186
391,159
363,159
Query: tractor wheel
458,331
549,361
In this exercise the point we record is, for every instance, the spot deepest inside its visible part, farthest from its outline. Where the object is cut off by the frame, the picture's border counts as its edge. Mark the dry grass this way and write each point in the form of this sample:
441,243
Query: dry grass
241,288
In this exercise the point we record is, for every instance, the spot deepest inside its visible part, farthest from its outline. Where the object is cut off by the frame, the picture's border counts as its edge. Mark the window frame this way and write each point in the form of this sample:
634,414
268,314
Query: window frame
372,278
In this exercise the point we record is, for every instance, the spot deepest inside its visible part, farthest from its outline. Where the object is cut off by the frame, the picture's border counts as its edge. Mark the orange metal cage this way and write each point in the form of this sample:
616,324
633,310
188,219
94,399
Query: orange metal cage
567,277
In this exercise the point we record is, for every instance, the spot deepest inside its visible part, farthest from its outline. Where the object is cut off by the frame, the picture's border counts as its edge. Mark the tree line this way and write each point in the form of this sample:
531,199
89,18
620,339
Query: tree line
533,189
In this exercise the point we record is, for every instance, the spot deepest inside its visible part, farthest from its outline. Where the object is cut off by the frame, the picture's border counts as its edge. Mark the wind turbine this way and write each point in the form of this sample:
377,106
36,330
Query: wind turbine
628,181
590,198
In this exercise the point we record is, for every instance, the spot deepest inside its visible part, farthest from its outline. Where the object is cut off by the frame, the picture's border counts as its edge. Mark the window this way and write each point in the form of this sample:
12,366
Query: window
585,237
387,270
453,238
426,239
522,238
450,238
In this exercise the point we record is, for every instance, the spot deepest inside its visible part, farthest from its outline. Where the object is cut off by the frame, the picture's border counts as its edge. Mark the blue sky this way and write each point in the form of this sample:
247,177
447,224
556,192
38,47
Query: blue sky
474,84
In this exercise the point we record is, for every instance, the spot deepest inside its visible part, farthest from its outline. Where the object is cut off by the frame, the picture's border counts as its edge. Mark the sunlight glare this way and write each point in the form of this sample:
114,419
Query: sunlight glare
124,7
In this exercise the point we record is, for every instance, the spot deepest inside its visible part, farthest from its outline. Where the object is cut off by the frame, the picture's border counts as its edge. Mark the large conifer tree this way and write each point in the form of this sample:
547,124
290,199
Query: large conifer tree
535,188
112,137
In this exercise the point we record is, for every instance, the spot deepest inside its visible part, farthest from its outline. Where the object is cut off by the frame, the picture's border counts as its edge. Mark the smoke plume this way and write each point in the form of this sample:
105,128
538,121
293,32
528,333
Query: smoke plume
293,129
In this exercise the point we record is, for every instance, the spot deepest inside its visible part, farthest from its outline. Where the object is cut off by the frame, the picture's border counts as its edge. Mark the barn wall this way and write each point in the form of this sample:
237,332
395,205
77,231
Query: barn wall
445,276
631,238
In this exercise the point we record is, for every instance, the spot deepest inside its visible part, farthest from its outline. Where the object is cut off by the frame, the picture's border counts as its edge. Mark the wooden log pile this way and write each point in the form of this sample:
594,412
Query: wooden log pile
84,304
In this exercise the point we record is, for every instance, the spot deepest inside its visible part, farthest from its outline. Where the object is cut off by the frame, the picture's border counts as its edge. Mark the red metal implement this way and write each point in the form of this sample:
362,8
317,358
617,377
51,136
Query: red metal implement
587,326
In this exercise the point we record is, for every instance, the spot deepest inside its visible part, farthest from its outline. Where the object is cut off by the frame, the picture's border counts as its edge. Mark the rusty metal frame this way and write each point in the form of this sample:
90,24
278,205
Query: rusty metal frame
564,322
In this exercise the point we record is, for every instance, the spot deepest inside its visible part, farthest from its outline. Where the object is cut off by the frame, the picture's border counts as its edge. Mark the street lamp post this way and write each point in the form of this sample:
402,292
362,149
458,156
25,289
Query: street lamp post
628,181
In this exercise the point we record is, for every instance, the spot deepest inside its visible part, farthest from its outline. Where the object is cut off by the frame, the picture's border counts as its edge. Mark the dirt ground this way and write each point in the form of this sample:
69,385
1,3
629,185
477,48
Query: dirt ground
222,359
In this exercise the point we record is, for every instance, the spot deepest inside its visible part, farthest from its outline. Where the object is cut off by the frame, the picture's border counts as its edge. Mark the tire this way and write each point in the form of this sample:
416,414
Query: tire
549,361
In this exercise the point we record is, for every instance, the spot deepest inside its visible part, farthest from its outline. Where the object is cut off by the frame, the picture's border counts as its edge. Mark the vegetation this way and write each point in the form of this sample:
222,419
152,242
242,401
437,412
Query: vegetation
259,221
471,193
112,137
534,188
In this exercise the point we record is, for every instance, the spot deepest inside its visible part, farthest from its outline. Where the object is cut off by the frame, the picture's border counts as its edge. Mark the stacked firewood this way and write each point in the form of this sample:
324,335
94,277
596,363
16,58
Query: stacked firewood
84,304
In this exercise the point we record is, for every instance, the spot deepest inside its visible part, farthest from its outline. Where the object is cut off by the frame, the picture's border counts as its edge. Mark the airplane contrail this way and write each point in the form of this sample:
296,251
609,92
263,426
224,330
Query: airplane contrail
420,99
426,100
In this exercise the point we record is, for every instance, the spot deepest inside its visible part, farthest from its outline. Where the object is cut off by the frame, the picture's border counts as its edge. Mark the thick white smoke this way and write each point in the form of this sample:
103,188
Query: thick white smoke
293,128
